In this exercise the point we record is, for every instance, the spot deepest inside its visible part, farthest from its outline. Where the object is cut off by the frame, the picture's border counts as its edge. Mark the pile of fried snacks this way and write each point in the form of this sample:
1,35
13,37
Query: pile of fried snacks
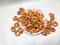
33,21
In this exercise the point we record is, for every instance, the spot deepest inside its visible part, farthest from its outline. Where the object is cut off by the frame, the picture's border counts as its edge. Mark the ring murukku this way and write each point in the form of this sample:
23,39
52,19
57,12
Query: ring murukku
15,18
13,29
44,33
40,21
17,33
32,31
52,29
41,27
55,24
51,14
16,24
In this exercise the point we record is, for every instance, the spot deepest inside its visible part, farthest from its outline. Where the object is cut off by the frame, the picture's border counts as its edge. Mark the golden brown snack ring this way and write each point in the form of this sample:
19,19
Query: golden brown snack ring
15,18
52,29
16,24
55,24
13,29
17,33
32,31
51,14
44,33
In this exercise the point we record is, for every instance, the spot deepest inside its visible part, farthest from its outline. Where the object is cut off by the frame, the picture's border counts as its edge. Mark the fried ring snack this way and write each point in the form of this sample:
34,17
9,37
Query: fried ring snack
15,18
55,24
52,29
51,14
16,24
32,31
41,27
44,33
40,21
17,33
13,29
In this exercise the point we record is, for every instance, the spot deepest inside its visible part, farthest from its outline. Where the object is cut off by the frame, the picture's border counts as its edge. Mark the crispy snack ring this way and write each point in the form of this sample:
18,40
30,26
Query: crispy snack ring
51,14
52,18
44,33
40,21
15,18
13,29
55,24
52,29
16,24
32,31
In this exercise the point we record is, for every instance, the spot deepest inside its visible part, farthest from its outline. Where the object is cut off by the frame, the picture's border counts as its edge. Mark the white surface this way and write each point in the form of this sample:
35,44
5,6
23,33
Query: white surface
7,13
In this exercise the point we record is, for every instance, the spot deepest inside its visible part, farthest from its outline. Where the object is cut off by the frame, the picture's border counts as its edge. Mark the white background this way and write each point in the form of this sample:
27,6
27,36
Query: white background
8,9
